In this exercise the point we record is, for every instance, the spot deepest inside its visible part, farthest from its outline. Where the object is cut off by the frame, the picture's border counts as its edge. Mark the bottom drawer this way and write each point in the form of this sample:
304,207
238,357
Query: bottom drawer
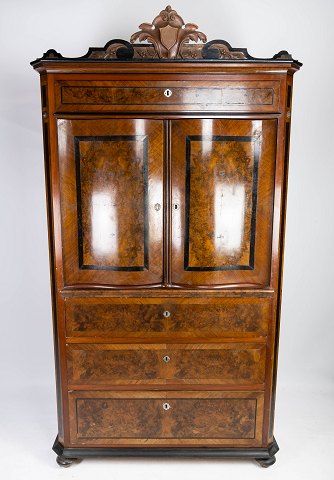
166,418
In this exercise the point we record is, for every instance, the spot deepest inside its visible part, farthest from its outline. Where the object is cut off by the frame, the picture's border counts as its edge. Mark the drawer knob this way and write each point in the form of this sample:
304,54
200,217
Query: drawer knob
166,358
168,93
166,314
157,207
166,406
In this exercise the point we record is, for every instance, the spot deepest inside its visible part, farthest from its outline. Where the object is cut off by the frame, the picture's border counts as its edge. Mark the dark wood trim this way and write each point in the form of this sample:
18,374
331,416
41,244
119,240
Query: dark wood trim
51,264
197,452
280,276
166,293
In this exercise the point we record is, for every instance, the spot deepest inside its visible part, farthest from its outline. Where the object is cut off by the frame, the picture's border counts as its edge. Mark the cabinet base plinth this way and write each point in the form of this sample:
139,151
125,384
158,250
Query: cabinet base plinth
264,456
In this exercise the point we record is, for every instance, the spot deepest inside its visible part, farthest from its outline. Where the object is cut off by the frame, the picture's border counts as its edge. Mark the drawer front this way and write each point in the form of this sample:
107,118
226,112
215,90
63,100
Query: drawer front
120,418
163,318
171,95
122,364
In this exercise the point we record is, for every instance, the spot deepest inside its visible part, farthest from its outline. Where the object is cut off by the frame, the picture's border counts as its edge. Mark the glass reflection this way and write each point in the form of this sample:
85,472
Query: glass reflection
104,224
229,217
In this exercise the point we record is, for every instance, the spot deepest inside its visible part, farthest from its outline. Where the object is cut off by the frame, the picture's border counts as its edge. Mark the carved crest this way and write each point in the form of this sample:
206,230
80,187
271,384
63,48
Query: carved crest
168,38
168,33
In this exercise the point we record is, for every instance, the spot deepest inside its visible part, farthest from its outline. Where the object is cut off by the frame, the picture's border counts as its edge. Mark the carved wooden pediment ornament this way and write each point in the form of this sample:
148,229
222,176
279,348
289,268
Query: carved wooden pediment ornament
168,33
168,38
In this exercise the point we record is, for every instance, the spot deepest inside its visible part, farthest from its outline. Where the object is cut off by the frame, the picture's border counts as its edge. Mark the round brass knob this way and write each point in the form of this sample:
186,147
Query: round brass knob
166,406
166,359
166,314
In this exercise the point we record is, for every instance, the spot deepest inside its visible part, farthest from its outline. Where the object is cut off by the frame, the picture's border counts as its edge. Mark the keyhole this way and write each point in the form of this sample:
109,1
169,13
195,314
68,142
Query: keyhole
168,93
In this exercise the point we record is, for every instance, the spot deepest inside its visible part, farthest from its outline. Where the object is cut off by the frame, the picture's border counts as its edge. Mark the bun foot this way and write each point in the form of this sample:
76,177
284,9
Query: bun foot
64,462
266,462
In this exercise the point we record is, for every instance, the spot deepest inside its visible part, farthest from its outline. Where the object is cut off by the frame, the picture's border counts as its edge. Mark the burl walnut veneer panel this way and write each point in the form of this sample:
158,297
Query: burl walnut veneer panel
166,418
123,318
125,95
110,364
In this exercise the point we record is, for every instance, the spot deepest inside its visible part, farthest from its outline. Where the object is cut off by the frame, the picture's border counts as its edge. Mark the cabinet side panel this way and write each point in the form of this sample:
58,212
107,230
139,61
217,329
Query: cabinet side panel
287,127
48,188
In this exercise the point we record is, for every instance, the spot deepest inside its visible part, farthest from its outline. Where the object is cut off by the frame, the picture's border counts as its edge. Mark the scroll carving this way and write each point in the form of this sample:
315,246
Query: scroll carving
167,38
168,33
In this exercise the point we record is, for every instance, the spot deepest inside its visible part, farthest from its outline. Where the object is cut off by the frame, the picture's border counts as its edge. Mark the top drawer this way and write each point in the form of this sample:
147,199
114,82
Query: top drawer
167,319
105,95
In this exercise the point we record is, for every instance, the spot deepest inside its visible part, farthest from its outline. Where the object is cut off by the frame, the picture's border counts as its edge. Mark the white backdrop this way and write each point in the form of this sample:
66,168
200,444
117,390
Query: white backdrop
27,414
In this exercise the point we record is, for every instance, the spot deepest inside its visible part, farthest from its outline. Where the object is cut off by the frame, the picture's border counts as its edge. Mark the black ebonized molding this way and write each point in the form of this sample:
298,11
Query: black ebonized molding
258,453
126,53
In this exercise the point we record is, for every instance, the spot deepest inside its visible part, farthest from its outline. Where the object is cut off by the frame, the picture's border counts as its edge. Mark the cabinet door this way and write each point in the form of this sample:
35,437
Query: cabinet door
222,201
111,184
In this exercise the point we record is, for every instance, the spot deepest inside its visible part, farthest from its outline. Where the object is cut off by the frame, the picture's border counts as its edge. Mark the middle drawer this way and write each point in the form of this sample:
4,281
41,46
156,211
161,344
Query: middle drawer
126,364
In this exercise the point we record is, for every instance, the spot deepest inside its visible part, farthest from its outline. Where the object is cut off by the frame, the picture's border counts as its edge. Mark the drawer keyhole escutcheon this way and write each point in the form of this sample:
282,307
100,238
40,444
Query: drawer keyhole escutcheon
166,406
166,358
166,314
157,207
168,93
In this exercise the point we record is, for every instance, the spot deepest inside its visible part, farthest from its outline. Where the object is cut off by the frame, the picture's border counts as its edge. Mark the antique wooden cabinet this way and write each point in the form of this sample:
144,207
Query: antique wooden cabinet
166,174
